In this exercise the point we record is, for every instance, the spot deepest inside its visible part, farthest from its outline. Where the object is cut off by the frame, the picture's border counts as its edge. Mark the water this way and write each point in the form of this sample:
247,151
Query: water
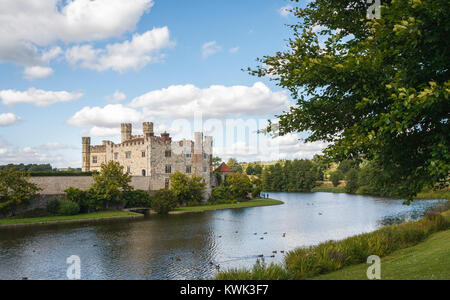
182,246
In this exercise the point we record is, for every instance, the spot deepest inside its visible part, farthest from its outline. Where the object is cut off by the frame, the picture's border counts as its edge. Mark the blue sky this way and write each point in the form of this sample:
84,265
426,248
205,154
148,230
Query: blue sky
78,68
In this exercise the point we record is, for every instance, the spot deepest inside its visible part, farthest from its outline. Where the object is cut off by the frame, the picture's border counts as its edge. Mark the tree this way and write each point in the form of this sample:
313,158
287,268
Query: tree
111,184
216,161
187,190
164,201
239,186
352,181
234,165
373,88
250,170
257,169
15,190
336,177
347,165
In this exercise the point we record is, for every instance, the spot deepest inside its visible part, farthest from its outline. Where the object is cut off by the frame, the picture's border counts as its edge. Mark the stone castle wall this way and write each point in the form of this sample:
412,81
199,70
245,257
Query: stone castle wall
56,185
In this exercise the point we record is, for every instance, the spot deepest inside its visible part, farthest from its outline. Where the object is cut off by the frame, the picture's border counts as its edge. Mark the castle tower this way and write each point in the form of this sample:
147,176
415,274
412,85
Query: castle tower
198,153
147,128
86,154
125,131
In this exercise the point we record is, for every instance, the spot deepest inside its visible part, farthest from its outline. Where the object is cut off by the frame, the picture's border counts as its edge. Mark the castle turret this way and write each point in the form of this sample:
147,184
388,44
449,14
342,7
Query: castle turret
86,154
125,131
147,128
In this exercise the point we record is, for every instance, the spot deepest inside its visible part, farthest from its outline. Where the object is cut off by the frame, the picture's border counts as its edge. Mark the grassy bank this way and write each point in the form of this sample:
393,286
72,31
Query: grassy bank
425,261
328,190
252,203
91,216
434,195
331,256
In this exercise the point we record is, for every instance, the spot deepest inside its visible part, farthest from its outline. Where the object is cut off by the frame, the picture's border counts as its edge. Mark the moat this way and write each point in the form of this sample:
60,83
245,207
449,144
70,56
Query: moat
182,246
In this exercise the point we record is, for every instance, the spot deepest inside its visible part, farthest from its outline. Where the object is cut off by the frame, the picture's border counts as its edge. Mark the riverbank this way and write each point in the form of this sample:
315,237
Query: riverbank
97,216
251,203
429,260
337,256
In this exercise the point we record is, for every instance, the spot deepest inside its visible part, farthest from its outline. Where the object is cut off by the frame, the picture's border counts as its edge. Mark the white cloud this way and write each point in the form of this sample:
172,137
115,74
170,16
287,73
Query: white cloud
8,119
135,54
109,116
234,50
210,48
37,97
217,101
37,72
53,153
285,10
104,131
25,24
118,96
270,149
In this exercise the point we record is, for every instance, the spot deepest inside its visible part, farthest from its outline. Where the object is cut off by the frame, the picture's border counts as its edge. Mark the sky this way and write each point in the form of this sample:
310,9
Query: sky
78,68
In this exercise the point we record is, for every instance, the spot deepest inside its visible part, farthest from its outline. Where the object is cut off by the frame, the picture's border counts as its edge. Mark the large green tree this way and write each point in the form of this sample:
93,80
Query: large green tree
376,89
187,190
15,190
110,185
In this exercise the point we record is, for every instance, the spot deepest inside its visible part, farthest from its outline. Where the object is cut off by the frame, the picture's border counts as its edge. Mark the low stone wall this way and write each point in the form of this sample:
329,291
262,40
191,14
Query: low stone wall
56,185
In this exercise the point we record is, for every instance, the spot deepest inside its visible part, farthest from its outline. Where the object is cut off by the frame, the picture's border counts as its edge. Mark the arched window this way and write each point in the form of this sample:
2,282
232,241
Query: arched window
143,173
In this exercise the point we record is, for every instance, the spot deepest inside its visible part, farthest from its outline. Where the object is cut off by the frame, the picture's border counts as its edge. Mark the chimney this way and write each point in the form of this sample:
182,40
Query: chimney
166,137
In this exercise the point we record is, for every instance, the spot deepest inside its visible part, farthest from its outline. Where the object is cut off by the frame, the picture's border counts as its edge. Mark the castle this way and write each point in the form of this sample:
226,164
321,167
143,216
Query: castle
155,157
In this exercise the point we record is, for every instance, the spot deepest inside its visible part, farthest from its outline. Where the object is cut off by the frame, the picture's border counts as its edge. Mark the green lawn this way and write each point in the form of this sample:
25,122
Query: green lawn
96,215
328,190
252,203
427,260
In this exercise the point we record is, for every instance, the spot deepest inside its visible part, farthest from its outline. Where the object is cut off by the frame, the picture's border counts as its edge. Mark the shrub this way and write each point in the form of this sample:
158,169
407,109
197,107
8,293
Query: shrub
336,178
220,195
53,206
80,197
68,208
352,181
164,201
137,198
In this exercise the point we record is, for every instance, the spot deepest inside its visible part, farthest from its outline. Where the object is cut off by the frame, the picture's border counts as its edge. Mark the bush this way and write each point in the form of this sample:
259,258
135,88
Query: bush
137,198
68,208
187,189
352,181
220,195
239,186
53,206
164,201
336,178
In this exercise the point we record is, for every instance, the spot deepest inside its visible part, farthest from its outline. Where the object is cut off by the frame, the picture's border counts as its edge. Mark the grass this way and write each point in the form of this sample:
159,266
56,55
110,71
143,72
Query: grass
434,195
425,261
96,215
331,256
252,203
328,190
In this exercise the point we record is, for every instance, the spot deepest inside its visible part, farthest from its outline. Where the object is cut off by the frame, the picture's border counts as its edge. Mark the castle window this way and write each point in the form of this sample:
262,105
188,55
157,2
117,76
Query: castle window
188,155
128,154
167,183
116,156
143,173
129,169
188,169
168,169
205,169
94,159
143,153
205,156
168,153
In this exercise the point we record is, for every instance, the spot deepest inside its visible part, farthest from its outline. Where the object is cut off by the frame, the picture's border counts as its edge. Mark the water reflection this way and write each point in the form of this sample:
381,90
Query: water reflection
183,246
